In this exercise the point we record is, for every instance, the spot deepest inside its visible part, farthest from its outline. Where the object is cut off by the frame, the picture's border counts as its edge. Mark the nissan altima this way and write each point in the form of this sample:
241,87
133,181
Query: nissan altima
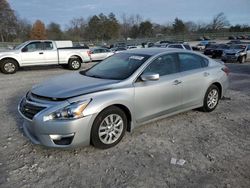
99,105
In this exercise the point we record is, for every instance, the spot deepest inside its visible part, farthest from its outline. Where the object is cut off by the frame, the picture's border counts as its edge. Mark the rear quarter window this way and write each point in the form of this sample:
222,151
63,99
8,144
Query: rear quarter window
187,47
190,61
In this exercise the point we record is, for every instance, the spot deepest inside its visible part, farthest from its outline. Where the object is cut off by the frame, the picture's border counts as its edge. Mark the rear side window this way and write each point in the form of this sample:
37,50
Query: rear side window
175,46
164,65
48,46
191,62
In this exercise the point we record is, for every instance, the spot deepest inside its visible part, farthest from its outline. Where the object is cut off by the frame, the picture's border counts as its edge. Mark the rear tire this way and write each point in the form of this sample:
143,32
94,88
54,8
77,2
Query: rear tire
74,64
8,66
211,99
108,128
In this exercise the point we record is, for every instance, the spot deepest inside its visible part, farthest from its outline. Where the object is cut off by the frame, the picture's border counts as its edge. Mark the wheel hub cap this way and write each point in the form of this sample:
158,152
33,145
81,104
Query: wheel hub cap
75,64
212,99
9,67
111,129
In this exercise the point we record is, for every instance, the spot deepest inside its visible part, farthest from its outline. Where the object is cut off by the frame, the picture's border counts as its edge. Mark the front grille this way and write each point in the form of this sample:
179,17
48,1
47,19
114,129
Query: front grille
32,95
29,110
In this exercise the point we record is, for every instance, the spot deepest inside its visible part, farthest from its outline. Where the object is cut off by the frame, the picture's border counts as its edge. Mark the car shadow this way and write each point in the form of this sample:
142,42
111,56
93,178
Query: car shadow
40,67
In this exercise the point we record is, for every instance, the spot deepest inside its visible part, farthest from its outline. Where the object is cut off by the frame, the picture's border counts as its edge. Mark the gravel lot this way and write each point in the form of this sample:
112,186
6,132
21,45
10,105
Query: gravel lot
216,146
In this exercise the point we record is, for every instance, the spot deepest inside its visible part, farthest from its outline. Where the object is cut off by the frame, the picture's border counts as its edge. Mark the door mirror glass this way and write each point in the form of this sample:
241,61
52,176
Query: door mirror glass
149,76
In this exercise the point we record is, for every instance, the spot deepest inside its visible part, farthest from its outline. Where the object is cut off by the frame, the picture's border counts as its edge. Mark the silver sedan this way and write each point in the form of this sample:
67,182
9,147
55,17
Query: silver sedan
99,54
126,90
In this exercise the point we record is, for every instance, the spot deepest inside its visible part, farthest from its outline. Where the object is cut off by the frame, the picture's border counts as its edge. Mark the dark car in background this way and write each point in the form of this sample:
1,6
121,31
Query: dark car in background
217,53
209,49
237,53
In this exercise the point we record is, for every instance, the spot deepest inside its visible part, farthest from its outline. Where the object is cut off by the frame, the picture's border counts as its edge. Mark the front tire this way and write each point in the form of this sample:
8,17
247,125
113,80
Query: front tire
242,59
109,128
74,64
211,99
9,66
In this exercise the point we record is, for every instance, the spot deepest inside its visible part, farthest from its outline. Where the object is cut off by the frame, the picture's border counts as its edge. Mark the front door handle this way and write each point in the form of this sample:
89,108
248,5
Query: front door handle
206,74
41,53
177,82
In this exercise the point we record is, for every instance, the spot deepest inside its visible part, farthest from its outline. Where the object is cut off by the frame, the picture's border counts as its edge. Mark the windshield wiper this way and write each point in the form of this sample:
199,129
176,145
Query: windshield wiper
94,76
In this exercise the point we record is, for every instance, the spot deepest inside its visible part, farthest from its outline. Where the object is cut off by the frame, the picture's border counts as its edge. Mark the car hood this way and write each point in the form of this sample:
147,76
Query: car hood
71,85
7,52
233,51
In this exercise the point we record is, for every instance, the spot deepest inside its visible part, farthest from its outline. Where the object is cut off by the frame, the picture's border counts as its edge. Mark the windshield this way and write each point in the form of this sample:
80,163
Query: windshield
20,46
238,47
118,67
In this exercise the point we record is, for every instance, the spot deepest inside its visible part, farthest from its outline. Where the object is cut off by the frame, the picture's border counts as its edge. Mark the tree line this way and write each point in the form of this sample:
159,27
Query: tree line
104,27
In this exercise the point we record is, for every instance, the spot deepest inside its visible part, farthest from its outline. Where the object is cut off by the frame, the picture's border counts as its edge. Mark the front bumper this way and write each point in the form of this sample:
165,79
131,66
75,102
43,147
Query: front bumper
58,133
229,58
76,130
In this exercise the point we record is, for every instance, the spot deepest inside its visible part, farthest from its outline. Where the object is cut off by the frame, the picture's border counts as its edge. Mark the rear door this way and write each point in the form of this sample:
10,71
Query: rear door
156,98
194,76
33,54
50,53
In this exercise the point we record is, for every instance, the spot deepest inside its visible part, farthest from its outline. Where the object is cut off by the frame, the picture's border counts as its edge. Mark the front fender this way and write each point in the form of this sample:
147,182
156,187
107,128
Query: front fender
104,99
12,56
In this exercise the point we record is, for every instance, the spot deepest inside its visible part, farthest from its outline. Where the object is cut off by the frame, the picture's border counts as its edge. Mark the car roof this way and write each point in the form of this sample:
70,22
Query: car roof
97,48
153,51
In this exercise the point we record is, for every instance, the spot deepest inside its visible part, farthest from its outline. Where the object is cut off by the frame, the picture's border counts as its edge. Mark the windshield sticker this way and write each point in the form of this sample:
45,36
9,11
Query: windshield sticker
136,57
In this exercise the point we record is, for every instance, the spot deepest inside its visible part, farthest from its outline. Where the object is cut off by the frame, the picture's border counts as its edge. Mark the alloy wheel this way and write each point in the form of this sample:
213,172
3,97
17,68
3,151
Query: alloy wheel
212,98
111,129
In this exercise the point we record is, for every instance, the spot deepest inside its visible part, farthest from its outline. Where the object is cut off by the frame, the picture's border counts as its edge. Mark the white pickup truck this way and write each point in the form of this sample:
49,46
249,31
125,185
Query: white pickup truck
43,52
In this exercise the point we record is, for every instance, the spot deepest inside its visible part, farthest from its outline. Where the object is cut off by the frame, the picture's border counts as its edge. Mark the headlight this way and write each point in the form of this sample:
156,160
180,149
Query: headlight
72,111
223,54
237,54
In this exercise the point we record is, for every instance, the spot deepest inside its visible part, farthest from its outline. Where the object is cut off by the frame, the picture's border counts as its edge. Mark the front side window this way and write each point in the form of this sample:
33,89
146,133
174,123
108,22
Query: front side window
164,65
117,67
187,47
34,46
97,51
191,62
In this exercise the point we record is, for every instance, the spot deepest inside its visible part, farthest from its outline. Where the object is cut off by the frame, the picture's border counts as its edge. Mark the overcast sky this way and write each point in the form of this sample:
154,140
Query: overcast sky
159,11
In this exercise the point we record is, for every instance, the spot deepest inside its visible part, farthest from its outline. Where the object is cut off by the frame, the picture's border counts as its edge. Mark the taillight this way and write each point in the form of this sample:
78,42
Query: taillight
89,53
226,70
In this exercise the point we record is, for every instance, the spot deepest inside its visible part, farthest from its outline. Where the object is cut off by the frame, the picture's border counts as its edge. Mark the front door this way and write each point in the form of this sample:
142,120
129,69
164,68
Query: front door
156,98
32,54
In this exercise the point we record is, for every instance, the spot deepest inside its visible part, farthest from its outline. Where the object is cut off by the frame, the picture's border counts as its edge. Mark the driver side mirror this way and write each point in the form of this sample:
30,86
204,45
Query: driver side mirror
150,76
25,49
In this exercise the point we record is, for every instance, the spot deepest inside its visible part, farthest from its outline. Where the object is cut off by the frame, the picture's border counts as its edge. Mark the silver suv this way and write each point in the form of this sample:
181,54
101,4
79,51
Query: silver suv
126,90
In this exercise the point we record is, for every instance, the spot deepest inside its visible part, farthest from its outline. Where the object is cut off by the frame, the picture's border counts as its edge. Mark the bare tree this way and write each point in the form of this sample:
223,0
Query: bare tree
8,21
76,29
129,22
219,22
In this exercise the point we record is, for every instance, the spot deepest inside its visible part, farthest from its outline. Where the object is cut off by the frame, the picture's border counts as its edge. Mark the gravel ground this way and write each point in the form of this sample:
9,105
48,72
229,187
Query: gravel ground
215,146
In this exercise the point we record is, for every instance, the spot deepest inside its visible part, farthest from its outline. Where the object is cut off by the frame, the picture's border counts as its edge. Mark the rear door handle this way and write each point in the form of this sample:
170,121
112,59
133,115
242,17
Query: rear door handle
41,53
206,74
177,82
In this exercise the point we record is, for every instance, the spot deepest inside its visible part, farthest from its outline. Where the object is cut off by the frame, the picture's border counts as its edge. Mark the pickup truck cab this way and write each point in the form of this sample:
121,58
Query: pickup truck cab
42,52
